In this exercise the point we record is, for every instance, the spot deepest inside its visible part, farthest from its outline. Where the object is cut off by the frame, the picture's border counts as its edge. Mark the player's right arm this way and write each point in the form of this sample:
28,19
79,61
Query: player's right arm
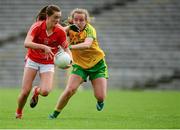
28,43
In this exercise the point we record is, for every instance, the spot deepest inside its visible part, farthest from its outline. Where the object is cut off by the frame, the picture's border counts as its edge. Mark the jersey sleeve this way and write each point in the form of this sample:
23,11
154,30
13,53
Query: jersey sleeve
91,32
63,39
33,29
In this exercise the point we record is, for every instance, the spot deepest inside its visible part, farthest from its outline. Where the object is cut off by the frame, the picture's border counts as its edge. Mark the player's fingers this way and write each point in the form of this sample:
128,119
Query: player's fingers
51,56
68,66
52,53
46,56
52,48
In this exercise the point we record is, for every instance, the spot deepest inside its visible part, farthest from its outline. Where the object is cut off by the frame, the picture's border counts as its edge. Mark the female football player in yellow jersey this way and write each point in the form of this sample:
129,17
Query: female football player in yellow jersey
88,60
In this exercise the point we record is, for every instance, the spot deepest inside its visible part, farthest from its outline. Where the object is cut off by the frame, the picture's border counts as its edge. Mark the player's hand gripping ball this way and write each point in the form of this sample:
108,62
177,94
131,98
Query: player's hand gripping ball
62,60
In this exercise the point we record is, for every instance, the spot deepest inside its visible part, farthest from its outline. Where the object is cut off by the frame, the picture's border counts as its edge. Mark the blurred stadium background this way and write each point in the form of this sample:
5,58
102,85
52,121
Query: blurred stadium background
140,39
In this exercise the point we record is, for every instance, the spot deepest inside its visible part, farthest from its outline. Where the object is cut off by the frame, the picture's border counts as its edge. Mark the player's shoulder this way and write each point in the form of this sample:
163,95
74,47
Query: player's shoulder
89,27
59,28
37,24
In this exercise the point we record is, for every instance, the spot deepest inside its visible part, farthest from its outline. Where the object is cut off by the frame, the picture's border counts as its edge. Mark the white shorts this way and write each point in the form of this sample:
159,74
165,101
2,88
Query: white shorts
40,67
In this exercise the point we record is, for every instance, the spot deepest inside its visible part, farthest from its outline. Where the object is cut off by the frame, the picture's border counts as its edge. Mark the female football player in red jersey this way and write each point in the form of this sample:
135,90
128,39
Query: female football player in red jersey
88,60
43,40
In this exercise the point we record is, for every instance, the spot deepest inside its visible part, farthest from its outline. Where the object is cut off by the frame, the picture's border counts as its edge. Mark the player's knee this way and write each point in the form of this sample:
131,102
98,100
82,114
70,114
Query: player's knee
44,92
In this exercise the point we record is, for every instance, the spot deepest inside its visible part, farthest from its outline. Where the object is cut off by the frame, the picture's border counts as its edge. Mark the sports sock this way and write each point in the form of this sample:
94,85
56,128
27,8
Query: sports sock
100,102
55,113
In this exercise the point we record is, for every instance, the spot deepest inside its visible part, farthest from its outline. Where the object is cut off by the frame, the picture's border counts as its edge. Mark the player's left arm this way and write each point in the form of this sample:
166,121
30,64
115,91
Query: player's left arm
84,45
64,43
68,51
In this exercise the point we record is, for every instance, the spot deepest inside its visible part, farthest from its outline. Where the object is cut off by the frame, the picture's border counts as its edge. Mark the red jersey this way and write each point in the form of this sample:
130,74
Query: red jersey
40,36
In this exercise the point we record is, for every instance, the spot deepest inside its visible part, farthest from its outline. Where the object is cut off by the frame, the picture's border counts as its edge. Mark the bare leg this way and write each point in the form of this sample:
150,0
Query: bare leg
46,83
45,86
73,83
100,89
28,77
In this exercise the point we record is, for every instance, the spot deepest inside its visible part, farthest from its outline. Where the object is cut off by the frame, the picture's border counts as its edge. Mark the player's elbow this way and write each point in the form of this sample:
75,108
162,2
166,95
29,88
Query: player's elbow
88,45
26,44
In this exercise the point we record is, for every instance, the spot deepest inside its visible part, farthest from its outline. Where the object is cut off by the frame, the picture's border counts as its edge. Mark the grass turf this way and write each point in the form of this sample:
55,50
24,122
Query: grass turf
123,109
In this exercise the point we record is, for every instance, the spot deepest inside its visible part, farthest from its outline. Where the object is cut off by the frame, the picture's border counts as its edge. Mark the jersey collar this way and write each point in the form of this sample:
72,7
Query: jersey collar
44,27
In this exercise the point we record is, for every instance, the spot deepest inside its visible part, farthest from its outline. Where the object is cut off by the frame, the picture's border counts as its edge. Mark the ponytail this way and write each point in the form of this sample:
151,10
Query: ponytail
42,14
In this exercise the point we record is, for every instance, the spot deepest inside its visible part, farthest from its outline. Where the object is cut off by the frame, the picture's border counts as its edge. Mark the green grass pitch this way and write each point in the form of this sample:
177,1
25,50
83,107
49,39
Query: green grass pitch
123,110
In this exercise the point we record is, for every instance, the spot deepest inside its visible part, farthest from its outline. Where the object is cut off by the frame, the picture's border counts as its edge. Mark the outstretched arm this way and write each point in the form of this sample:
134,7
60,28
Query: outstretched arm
84,45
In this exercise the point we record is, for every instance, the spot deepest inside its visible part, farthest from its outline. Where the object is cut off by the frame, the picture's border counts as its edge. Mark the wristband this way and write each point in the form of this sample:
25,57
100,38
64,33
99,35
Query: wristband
70,47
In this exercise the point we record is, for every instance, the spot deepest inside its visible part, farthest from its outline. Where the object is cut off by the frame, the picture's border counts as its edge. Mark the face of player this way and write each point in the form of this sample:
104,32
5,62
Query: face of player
54,19
80,20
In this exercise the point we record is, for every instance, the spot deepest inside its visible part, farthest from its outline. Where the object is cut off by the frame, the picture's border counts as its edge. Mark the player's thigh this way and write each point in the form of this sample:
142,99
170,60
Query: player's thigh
46,76
74,81
99,87
46,80
28,78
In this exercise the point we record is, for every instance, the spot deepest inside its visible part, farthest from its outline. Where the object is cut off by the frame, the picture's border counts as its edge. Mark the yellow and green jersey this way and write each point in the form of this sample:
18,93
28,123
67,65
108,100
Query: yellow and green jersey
86,58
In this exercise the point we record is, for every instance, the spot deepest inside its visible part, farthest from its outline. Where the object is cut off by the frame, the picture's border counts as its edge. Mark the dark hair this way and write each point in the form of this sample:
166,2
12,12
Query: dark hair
47,11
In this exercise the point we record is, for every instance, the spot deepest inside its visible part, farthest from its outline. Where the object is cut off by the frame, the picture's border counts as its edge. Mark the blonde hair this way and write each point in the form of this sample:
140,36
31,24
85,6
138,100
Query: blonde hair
80,11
